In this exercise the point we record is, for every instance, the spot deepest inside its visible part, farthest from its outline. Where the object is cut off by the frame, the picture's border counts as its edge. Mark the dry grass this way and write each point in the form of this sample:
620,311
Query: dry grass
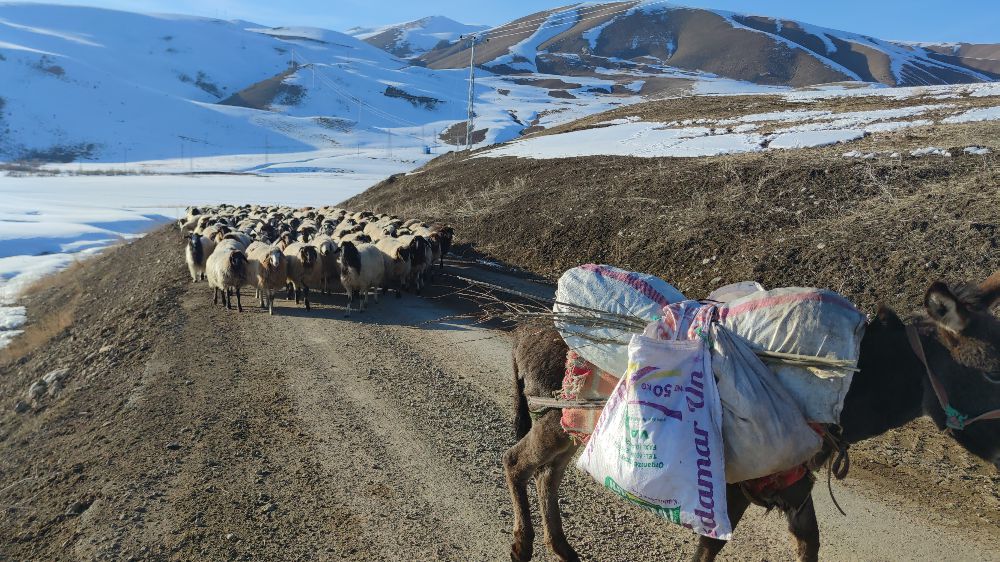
45,324
475,202
40,331
55,280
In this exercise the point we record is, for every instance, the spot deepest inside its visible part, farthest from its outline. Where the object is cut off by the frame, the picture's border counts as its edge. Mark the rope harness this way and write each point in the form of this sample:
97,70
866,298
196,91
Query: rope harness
954,419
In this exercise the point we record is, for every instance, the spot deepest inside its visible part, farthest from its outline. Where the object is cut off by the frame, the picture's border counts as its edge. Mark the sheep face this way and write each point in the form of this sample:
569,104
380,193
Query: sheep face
308,256
275,259
237,261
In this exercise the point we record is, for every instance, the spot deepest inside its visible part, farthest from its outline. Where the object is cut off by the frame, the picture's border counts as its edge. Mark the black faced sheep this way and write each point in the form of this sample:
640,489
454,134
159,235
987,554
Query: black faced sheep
196,253
361,268
227,269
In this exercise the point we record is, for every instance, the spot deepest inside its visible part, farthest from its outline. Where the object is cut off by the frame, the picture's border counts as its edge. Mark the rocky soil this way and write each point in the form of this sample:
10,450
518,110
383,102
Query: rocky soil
182,431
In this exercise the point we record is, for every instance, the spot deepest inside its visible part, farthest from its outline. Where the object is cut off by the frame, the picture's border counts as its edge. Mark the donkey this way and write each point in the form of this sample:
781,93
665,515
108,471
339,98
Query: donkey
944,363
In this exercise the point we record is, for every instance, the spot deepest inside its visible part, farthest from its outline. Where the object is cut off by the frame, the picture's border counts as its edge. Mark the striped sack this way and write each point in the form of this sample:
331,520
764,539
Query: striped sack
583,381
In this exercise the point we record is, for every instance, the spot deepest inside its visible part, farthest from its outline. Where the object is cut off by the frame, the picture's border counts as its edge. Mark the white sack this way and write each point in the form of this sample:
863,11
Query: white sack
658,442
763,429
802,321
607,288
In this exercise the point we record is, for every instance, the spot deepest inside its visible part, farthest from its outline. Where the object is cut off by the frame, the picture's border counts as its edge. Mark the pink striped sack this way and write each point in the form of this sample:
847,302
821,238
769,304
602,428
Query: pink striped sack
583,381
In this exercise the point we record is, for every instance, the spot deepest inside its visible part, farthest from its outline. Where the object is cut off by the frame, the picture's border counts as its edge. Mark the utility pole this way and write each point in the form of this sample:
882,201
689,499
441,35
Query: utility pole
472,92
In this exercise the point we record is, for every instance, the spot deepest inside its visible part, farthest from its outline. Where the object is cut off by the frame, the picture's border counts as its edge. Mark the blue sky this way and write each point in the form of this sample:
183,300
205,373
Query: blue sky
917,20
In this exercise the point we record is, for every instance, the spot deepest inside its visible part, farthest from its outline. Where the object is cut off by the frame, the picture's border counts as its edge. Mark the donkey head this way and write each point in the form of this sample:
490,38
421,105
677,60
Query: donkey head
964,354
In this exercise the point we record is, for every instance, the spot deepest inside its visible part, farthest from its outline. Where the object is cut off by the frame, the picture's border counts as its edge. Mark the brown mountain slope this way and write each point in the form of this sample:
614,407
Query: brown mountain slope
982,57
588,39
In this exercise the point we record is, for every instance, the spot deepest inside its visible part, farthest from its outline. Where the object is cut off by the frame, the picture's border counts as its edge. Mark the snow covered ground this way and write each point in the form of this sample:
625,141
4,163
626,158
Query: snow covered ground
776,130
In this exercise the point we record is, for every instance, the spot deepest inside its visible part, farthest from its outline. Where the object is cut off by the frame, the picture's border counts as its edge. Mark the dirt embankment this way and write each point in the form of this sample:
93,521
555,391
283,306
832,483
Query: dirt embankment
186,432
878,230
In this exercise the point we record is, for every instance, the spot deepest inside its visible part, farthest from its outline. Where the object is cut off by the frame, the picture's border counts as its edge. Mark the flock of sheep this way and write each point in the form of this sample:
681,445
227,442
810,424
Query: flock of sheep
328,249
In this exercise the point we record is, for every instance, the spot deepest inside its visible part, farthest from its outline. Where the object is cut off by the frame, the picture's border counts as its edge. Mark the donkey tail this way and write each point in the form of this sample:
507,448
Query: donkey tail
522,416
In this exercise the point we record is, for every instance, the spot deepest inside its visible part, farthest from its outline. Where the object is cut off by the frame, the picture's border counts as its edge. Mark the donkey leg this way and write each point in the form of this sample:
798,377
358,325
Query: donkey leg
544,442
804,527
547,480
736,504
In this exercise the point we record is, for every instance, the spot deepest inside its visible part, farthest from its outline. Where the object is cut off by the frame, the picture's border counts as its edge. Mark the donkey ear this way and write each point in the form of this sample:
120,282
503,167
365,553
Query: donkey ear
888,318
946,310
991,290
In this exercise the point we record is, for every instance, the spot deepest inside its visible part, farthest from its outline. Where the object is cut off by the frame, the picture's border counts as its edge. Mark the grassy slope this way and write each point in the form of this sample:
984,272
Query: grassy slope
876,230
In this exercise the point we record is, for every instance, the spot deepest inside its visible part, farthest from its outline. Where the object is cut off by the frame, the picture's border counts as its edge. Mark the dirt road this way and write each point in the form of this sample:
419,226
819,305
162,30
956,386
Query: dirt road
306,436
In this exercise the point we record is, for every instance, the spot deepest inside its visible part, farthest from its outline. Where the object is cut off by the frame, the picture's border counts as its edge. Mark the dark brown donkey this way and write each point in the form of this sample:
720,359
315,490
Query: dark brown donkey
957,336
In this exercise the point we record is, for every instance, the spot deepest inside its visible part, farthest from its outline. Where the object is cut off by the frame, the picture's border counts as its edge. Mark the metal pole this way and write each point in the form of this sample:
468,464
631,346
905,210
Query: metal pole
472,90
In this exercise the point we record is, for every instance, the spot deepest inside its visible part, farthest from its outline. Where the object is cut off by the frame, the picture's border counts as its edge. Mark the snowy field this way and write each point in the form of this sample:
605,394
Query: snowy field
788,129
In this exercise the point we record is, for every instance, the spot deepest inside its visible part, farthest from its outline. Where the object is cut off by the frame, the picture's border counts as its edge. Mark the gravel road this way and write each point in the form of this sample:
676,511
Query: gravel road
308,436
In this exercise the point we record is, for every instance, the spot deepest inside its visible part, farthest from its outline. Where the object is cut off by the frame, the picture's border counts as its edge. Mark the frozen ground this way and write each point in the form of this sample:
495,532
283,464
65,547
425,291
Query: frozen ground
755,132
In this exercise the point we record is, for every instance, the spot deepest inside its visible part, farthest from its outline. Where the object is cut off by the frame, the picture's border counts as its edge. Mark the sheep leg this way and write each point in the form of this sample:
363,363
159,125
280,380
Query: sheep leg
305,295
229,299
215,300
350,297
239,305
375,292
298,293
288,295
270,302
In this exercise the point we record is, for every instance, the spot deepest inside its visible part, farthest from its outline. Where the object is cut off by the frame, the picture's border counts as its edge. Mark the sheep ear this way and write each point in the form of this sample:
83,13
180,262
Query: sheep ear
991,289
946,310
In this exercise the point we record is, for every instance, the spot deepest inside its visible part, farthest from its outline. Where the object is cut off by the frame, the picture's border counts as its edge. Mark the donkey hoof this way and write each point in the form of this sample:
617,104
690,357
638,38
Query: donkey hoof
521,552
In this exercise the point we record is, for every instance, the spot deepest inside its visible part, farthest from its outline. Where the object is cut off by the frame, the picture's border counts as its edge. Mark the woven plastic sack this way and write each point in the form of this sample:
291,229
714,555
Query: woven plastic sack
583,381
763,429
802,321
609,289
658,442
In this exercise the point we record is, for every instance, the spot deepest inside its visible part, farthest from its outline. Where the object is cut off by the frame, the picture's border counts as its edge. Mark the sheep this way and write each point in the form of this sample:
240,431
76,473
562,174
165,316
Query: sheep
361,267
420,258
240,237
446,237
396,257
357,238
267,271
305,269
226,269
230,244
196,253
328,250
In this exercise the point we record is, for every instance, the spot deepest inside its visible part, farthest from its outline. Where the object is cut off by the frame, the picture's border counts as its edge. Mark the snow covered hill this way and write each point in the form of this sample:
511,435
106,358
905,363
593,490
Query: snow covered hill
659,39
94,84
184,93
414,38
